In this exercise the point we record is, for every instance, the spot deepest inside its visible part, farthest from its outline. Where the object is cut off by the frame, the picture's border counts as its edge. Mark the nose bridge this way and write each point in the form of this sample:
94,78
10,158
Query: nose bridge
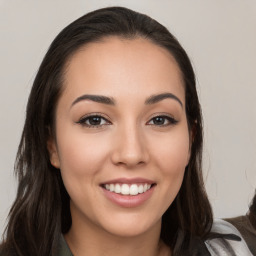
130,145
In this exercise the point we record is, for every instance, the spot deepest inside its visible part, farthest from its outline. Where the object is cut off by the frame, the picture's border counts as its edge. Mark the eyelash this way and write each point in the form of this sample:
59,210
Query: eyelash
171,121
86,118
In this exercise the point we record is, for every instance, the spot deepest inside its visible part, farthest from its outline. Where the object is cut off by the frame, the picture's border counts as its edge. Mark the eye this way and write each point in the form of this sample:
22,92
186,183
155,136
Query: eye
93,121
162,121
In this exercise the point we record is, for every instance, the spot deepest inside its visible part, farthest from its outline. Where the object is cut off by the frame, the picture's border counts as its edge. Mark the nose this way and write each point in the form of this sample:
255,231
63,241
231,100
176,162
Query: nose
130,148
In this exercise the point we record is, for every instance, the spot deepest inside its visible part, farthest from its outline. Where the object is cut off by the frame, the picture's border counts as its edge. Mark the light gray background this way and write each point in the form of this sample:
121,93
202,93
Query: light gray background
220,38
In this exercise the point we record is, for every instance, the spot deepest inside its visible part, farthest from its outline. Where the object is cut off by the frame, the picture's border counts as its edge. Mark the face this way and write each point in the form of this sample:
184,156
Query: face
122,140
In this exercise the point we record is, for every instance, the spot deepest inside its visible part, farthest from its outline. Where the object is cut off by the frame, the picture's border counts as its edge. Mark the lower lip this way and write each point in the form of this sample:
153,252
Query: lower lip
128,201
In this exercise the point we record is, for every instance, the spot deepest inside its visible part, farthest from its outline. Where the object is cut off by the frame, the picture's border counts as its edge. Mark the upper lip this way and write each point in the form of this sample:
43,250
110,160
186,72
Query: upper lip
129,181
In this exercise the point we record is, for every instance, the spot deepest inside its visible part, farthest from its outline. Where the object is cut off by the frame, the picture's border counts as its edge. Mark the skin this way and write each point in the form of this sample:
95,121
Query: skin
128,143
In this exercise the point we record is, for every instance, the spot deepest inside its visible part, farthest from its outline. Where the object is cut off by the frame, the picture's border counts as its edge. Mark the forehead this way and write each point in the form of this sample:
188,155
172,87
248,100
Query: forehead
115,65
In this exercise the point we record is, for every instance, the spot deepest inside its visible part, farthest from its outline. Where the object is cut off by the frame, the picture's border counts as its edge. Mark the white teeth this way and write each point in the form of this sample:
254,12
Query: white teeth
117,189
134,190
141,189
112,187
125,189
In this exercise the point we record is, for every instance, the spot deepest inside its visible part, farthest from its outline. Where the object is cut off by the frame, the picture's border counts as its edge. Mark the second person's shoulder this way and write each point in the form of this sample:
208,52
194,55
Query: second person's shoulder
225,239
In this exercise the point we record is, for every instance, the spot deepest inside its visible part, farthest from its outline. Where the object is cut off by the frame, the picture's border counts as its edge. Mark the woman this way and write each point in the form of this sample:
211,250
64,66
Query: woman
110,156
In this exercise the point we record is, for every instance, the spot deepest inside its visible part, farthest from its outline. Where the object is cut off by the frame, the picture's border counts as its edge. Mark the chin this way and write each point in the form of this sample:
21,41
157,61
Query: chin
130,227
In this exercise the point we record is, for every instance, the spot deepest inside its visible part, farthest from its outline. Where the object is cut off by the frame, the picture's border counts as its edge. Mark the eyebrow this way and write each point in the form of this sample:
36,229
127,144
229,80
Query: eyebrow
95,98
156,98
110,101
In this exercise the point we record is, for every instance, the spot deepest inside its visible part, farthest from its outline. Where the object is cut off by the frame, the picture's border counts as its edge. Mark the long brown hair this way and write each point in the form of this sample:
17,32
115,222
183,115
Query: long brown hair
41,209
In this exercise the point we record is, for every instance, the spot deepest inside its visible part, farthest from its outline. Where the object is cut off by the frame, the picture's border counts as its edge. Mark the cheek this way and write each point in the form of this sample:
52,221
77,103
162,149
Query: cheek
172,152
81,159
171,159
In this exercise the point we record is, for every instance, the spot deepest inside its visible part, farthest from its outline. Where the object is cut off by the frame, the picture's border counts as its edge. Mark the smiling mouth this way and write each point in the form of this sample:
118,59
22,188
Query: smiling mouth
128,189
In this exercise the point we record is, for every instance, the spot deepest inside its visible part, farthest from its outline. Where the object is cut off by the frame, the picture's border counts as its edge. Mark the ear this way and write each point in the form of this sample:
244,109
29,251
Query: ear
53,152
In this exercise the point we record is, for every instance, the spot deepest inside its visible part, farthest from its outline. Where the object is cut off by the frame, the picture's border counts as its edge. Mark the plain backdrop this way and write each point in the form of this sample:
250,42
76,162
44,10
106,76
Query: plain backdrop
220,38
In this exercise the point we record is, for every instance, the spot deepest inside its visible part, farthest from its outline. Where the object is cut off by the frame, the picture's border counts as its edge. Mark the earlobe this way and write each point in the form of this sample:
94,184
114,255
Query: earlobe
53,153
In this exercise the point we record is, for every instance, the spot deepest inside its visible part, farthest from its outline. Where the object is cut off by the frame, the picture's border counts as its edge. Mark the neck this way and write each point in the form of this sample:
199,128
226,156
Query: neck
92,240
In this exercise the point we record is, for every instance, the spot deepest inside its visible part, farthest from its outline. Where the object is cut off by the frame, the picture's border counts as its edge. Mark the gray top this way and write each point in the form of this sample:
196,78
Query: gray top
245,227
224,245
64,249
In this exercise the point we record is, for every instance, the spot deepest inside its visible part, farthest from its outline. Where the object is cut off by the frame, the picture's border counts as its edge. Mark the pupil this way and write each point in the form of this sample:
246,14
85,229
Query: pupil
159,120
95,120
